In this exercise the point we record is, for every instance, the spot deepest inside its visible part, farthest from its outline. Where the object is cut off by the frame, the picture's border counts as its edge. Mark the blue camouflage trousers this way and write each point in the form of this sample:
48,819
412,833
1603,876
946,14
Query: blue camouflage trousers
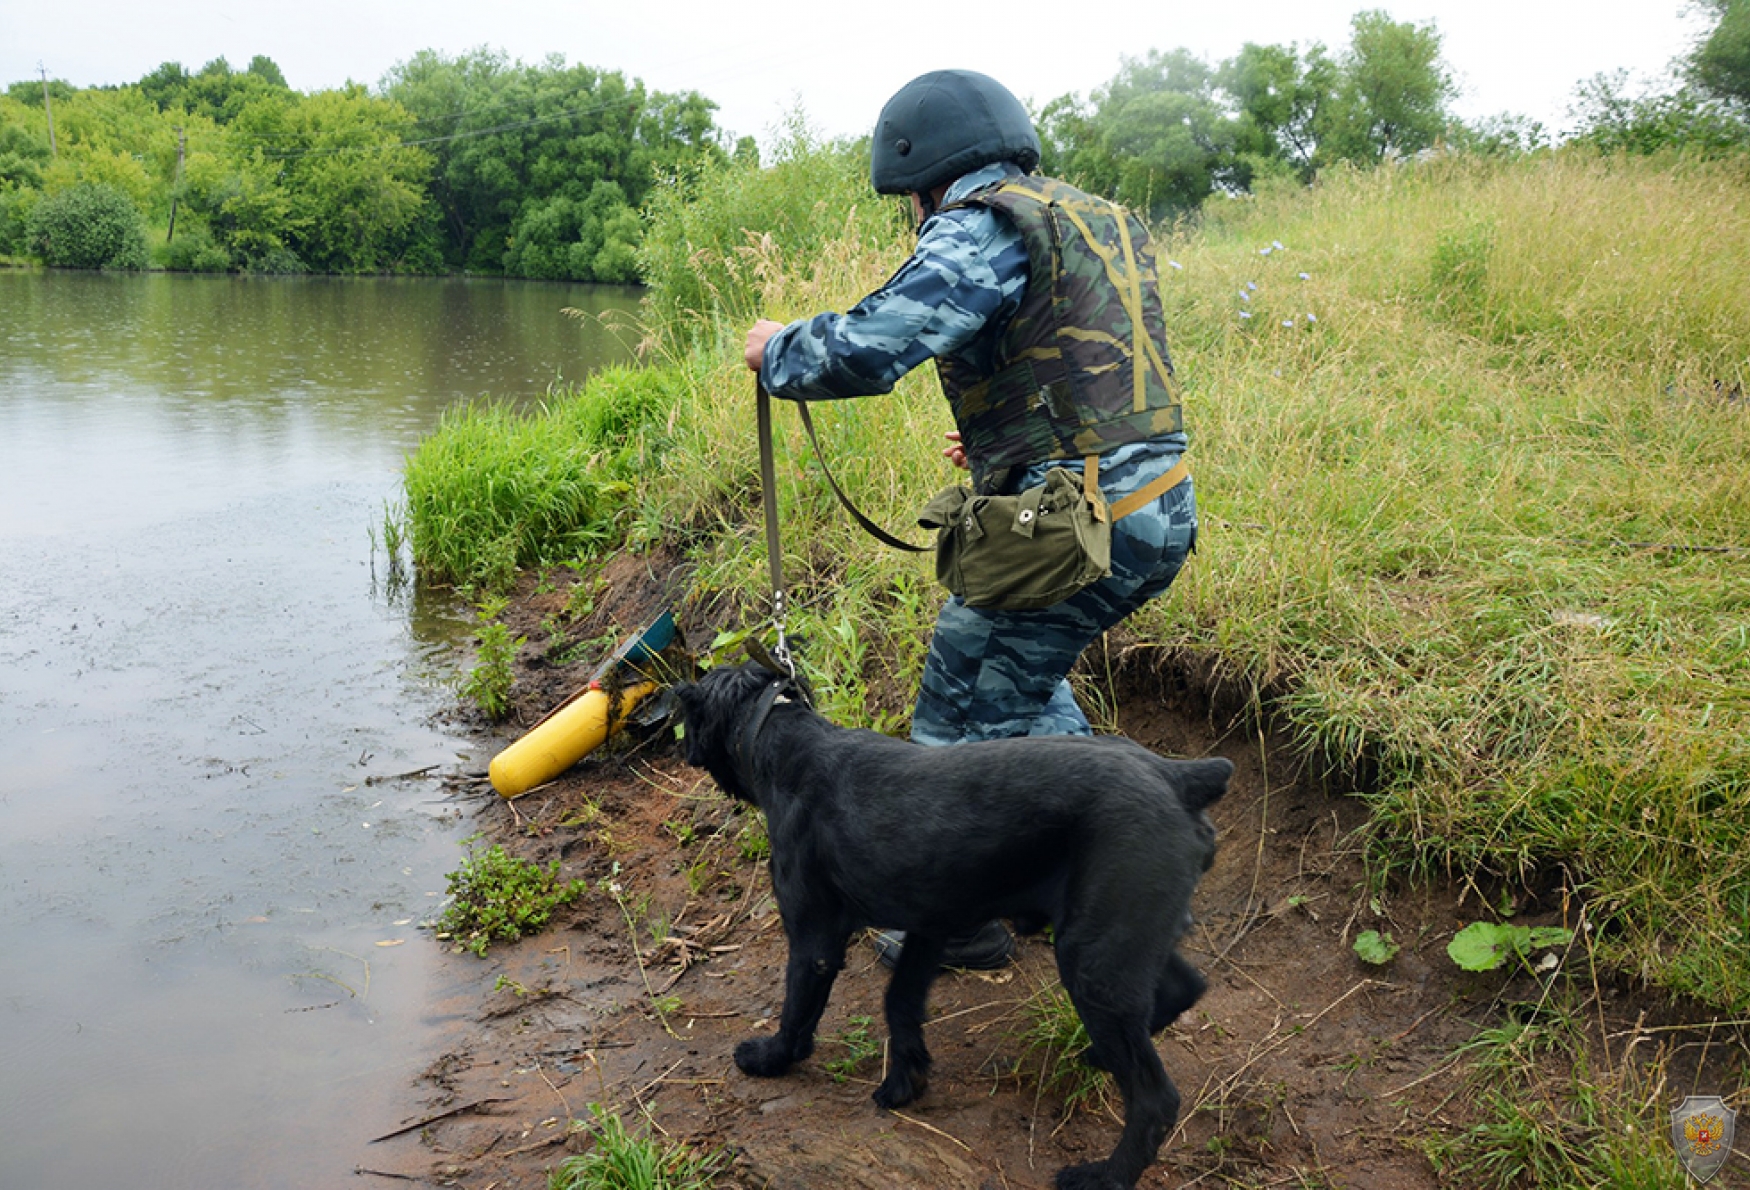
998,674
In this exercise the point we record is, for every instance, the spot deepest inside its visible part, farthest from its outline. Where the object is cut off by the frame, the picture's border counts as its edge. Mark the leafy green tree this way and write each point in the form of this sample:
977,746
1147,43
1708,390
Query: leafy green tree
1721,64
1392,97
88,227
220,93
266,69
247,211
31,91
559,237
539,170
325,179
1279,94
1156,137
165,86
1613,121
22,158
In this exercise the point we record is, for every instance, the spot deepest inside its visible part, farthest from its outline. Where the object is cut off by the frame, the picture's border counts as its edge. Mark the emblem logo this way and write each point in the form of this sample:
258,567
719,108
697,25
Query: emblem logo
1702,1131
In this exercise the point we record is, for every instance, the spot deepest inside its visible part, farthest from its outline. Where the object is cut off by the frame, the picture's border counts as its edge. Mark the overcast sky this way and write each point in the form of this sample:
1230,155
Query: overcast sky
839,62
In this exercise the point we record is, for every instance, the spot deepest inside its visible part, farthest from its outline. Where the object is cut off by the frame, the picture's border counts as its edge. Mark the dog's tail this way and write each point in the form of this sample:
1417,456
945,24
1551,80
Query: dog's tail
1202,782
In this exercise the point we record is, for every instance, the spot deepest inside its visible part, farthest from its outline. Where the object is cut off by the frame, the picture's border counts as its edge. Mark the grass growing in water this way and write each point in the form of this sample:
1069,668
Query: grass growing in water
497,897
493,490
488,683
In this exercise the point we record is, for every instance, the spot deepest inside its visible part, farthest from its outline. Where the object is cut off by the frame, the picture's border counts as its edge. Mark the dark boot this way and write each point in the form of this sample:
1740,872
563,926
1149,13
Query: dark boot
991,947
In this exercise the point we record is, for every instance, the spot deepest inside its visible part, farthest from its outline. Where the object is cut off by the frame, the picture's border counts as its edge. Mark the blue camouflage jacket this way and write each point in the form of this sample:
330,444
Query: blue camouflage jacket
953,297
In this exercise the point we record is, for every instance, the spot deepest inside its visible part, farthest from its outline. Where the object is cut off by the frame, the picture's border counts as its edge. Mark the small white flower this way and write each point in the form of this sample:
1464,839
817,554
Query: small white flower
1244,296
1277,244
1251,285
1306,276
1245,313
1175,264
1263,252
1312,317
1288,322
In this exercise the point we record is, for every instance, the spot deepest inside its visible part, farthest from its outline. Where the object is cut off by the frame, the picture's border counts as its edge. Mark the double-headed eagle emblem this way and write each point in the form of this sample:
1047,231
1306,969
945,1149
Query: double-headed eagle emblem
1702,1132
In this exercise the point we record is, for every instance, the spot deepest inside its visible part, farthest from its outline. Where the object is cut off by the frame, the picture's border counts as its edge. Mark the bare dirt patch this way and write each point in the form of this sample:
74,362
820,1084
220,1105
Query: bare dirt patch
1302,1066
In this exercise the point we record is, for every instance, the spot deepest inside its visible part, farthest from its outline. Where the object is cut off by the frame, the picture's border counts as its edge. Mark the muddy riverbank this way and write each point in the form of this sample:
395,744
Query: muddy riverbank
1303,1065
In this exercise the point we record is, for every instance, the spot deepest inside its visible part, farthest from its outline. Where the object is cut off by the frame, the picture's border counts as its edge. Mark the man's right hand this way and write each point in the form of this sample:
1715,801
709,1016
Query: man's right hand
755,352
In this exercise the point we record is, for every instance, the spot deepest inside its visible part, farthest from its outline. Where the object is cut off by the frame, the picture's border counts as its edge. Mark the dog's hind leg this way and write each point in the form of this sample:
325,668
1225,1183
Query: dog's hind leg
1181,985
908,1071
815,960
1151,1102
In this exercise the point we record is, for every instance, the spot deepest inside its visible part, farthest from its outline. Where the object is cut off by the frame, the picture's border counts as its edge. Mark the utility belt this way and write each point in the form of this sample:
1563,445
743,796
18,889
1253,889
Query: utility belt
1037,547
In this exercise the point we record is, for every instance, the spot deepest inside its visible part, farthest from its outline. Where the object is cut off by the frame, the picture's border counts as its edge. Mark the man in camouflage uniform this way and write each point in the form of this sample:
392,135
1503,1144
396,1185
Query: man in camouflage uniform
1039,304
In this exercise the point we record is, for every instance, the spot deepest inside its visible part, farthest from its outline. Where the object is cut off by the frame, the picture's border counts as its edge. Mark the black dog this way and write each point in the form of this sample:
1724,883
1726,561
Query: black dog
1097,837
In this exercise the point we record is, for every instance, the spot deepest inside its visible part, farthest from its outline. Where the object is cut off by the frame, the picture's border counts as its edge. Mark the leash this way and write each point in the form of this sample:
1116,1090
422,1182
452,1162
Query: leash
774,551
869,526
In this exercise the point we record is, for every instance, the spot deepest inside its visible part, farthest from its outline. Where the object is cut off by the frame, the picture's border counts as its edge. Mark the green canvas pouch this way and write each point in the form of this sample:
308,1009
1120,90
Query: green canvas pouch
1020,552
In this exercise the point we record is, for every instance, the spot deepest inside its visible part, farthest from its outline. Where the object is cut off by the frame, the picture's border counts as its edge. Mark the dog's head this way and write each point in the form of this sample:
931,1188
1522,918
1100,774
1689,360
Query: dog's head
723,712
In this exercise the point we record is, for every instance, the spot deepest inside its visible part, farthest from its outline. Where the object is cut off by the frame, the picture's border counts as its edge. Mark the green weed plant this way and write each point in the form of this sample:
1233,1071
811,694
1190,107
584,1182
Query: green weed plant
496,897
621,1160
1054,1037
860,1045
488,682
1549,1114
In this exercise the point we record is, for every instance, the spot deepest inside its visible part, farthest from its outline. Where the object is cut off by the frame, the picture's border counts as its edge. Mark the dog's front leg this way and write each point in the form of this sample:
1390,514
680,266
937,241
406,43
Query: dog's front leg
815,960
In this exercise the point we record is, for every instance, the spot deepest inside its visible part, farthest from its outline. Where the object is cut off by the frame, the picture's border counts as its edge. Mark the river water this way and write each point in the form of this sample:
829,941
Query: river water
211,870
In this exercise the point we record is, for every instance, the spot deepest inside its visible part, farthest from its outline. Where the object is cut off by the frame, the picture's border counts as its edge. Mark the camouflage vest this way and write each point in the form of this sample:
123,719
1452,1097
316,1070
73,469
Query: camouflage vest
1082,367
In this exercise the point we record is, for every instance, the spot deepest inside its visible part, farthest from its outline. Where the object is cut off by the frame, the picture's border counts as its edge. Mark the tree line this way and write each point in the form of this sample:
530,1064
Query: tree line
472,163
482,164
1170,129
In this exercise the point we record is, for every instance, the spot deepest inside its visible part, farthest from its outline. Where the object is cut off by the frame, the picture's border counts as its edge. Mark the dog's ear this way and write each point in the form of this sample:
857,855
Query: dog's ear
1202,782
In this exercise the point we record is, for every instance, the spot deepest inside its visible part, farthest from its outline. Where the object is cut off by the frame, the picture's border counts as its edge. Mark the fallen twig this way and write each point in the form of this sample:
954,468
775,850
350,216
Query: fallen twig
442,1115
361,1171
930,1128
402,776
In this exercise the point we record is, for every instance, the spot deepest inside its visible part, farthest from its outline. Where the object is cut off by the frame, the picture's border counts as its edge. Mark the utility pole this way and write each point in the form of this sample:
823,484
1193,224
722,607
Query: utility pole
176,186
47,108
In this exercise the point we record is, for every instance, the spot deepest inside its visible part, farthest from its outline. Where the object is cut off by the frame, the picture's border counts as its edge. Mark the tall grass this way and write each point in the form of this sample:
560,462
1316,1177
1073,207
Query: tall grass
713,230
1485,524
1476,515
492,490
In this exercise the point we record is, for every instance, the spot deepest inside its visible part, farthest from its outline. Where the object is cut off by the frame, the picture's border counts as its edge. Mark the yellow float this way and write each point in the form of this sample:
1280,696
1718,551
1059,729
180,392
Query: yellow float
582,723
568,733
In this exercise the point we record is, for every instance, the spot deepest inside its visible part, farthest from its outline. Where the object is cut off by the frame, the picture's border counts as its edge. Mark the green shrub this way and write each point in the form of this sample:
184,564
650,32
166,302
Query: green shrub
88,226
195,252
15,209
497,897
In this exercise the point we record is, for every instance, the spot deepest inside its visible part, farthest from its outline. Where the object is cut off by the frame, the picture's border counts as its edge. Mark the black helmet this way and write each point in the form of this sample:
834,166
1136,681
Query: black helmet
945,123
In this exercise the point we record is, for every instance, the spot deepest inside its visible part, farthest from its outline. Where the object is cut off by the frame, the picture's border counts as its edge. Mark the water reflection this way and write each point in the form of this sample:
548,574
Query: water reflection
207,679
